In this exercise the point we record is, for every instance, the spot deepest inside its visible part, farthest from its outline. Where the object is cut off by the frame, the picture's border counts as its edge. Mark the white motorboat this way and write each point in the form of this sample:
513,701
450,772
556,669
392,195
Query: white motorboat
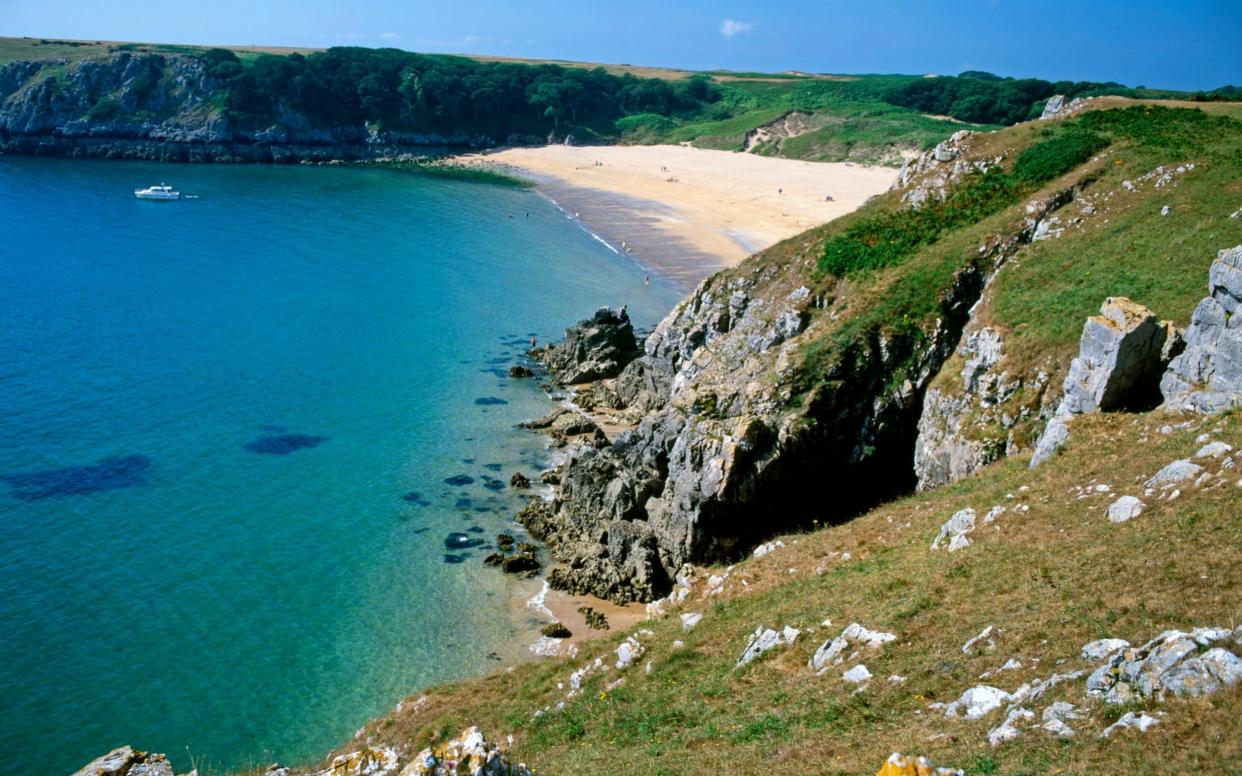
160,192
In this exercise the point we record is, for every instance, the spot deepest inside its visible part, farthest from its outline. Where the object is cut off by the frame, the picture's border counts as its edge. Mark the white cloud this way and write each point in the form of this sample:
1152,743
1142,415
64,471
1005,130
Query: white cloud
732,27
389,35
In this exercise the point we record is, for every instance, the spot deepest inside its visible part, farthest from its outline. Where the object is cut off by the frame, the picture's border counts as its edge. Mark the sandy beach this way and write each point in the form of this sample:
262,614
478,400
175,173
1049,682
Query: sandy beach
687,212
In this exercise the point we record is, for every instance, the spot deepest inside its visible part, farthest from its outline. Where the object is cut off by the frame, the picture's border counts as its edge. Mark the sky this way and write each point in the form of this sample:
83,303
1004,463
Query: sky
1182,45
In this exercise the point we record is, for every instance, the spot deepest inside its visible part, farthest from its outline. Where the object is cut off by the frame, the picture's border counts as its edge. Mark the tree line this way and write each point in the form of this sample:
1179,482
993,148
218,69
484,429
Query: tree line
984,98
438,93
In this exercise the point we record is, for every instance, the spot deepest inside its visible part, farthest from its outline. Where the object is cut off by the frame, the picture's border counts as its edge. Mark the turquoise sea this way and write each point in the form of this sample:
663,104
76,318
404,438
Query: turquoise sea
228,428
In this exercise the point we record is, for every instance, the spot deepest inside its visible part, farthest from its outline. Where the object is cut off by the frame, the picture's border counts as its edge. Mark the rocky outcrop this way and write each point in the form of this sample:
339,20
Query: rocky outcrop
729,414
983,411
597,348
1174,663
127,761
1121,355
929,176
167,107
468,753
1207,377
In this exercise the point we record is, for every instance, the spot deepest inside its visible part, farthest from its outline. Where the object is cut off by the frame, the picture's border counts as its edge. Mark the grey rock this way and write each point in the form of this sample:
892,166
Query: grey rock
127,761
1009,730
1119,364
1103,649
1141,722
1051,108
977,702
1124,508
832,652
1057,716
1174,662
856,675
764,640
955,529
1207,375
597,348
1178,471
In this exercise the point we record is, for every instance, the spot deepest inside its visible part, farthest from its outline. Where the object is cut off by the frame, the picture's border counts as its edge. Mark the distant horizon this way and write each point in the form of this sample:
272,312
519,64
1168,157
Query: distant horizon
294,48
1165,45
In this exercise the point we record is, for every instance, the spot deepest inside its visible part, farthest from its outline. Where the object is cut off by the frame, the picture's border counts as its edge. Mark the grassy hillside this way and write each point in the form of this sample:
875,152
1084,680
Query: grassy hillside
1050,574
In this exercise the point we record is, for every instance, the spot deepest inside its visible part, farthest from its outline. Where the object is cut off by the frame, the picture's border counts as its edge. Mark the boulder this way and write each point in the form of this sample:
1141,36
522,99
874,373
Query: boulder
1124,508
1207,376
1051,108
597,348
519,480
856,675
955,529
1102,649
1119,363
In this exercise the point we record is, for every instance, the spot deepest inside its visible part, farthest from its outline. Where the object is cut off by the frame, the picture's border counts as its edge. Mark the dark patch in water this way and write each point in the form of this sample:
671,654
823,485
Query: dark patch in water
495,371
475,529
414,498
487,401
454,559
483,510
458,480
499,360
493,484
283,444
460,541
464,502
113,473
467,460
493,466
421,530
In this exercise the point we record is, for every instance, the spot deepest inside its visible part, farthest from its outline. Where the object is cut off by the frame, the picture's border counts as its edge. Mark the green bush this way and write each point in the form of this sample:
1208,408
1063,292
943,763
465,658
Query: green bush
1058,154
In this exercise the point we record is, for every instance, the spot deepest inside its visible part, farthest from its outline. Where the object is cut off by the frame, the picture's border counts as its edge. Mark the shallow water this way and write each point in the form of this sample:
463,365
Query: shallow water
243,436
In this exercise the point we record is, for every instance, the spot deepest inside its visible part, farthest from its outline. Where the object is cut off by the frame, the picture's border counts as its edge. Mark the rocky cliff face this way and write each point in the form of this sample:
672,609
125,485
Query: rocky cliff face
1207,377
168,108
729,447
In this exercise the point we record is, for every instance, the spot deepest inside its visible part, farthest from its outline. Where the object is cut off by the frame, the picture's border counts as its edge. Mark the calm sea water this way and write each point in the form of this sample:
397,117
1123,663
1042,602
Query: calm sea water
225,429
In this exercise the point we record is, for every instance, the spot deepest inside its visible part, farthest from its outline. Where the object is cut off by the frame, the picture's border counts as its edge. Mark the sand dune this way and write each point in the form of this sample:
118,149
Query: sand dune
686,212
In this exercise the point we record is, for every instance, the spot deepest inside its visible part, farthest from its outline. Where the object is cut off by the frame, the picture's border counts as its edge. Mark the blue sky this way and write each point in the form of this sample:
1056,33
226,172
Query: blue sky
1138,42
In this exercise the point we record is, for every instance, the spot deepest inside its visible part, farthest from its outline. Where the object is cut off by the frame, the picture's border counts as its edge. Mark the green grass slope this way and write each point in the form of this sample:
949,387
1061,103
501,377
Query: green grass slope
1049,575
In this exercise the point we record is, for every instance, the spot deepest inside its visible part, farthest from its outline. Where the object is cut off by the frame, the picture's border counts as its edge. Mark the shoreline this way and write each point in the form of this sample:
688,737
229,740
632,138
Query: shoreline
685,213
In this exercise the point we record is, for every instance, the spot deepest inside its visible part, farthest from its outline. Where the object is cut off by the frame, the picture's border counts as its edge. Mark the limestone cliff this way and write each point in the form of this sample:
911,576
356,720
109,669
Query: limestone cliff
745,427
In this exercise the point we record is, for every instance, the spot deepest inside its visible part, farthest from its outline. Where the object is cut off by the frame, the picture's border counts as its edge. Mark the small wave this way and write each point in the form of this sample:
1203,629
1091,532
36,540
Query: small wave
538,602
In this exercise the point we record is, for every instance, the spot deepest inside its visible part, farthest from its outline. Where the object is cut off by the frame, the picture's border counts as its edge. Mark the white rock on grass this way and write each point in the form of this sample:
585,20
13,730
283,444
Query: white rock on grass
1008,730
767,549
1055,719
1103,649
1214,450
764,640
1141,722
1178,471
955,529
690,619
1012,664
982,638
627,652
1124,508
977,702
857,675
832,652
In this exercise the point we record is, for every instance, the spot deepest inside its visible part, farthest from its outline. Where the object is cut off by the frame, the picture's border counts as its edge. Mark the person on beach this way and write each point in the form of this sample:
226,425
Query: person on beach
646,280
532,340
